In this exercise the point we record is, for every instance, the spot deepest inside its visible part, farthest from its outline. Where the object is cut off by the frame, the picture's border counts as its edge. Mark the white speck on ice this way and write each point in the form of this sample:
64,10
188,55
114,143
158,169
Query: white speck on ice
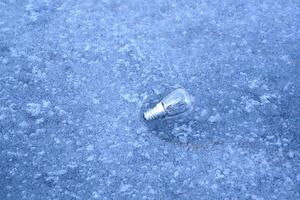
254,84
40,120
23,124
214,187
5,61
219,174
45,103
203,112
95,195
125,187
90,147
147,155
90,158
5,137
58,172
214,118
266,98
96,101
56,140
41,153
130,98
2,117
33,109
250,104
291,154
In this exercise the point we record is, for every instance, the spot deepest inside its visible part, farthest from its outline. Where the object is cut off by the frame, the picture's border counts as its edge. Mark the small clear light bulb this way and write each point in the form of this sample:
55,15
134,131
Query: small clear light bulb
177,102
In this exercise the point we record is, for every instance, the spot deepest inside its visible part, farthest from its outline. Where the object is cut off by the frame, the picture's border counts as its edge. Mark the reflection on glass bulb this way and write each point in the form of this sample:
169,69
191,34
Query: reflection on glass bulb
177,102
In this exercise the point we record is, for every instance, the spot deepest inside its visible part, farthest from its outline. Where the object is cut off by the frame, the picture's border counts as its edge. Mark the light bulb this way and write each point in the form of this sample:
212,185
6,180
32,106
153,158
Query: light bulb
177,102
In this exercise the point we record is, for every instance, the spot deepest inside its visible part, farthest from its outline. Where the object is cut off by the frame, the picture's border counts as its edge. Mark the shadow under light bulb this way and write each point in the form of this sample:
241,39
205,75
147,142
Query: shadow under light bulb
177,102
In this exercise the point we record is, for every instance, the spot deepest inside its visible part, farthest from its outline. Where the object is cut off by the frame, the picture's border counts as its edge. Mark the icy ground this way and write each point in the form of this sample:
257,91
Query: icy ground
75,76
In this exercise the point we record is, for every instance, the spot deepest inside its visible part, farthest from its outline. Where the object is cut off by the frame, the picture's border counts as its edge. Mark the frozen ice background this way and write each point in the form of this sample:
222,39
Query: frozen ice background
75,76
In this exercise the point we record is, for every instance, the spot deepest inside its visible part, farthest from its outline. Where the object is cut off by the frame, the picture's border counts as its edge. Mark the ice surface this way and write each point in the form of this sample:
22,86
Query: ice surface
75,77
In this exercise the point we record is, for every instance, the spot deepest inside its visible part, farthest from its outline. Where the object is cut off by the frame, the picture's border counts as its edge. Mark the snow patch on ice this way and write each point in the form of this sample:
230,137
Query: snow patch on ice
33,109
125,187
215,118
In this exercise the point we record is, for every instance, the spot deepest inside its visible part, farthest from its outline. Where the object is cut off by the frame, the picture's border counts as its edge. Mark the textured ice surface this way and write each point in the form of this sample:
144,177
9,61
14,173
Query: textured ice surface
75,75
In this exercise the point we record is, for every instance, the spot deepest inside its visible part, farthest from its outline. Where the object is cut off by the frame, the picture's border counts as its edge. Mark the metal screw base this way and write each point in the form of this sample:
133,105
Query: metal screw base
155,112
